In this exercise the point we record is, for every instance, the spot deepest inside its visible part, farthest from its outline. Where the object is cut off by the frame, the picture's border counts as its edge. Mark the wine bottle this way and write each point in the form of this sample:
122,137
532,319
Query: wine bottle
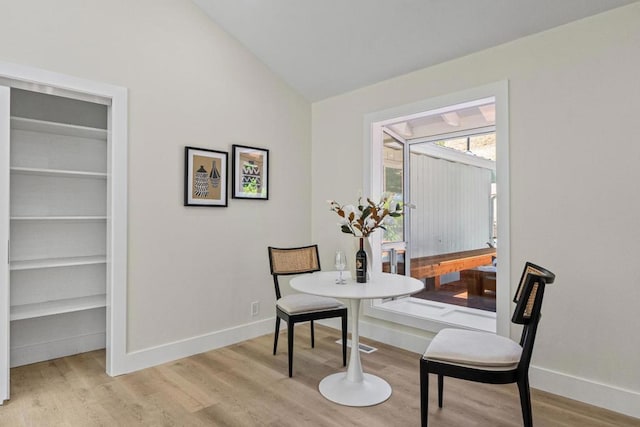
361,264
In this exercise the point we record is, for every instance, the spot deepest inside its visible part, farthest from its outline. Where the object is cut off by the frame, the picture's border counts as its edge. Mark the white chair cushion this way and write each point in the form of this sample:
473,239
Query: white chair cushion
474,349
300,303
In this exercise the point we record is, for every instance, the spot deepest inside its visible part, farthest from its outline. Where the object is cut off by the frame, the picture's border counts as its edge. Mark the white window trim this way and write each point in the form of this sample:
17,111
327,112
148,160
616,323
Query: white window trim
413,313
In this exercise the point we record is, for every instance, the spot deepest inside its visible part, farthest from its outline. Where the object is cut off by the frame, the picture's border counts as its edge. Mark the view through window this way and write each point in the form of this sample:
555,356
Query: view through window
453,234
444,166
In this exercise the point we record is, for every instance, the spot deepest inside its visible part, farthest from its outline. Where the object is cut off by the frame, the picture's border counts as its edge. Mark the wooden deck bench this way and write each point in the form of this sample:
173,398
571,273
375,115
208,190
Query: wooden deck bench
437,265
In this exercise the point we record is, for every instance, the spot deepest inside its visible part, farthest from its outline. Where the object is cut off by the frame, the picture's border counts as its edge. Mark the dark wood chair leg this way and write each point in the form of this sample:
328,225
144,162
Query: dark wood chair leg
344,340
424,393
275,337
290,346
313,337
525,401
440,389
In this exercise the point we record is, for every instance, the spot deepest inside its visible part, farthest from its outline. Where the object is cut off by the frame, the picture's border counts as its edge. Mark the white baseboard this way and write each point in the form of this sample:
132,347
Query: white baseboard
602,395
605,396
153,356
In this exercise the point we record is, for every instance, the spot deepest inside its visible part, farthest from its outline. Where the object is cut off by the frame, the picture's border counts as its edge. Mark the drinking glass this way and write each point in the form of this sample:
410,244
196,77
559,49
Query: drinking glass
340,264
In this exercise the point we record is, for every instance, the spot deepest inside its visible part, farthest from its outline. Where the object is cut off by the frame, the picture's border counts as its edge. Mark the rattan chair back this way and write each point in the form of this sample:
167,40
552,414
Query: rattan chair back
528,296
288,261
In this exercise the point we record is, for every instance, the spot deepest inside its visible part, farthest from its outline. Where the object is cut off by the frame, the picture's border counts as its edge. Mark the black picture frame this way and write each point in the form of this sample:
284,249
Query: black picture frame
250,167
205,177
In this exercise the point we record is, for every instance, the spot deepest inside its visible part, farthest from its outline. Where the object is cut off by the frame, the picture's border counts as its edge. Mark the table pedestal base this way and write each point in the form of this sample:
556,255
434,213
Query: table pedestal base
370,391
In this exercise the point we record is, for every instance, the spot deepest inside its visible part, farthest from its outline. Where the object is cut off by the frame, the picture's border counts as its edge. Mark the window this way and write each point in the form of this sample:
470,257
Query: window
460,132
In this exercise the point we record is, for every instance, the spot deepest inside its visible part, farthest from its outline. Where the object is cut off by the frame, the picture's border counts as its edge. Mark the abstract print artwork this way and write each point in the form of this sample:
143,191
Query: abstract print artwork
205,177
250,172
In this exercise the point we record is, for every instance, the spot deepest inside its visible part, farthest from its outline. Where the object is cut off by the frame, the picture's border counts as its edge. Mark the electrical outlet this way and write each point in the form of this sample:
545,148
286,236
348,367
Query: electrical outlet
255,308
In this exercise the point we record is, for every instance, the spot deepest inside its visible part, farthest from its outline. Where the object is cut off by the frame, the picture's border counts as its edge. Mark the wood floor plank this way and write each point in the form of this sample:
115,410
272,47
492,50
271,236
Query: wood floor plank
245,385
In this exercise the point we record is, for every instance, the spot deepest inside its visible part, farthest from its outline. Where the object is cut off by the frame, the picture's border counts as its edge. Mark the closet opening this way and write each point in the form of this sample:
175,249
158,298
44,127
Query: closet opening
58,226
63,223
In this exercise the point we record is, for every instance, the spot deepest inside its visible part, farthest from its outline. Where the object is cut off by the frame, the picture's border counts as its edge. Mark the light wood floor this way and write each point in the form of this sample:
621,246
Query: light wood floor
245,385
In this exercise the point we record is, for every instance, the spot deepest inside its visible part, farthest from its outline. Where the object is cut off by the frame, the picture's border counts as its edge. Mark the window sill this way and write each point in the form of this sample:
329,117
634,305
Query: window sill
430,315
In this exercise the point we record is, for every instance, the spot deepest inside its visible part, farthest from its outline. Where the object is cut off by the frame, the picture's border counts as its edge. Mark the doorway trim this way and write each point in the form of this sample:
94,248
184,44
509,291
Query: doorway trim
116,98
373,123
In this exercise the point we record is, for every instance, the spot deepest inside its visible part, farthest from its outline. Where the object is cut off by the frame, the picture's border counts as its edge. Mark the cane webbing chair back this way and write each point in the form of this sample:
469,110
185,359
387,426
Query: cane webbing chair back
288,261
528,268
294,260
528,292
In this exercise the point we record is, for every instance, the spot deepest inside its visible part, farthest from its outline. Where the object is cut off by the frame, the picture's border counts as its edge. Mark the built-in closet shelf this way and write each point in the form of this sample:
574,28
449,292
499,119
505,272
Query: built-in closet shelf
56,262
58,172
49,308
58,218
34,125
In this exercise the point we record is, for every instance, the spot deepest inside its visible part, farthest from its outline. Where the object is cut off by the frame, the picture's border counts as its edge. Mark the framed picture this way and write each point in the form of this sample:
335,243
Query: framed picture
250,173
205,177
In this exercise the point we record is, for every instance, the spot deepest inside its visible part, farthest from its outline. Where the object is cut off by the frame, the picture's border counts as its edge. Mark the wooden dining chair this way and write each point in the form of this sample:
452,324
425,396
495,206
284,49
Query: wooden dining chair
485,357
298,308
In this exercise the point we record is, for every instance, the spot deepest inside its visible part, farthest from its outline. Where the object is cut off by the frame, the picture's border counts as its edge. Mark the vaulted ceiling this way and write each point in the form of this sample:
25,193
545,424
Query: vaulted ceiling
324,48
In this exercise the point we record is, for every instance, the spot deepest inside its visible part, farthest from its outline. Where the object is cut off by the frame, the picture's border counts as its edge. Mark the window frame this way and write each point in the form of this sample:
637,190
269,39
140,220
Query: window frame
412,313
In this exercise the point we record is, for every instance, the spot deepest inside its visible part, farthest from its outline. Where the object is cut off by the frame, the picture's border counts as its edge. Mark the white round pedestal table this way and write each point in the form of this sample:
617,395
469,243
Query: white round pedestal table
354,387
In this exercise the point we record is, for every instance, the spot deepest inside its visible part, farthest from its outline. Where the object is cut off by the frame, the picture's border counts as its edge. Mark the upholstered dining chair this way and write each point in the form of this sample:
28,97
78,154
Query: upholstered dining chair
485,357
298,308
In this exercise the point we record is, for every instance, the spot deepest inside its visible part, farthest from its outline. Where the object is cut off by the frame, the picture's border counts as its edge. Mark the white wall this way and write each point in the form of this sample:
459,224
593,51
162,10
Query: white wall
193,271
574,153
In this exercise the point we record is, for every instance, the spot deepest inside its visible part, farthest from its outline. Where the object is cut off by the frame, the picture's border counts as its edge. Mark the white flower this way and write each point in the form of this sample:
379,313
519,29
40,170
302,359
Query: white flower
343,221
348,210
370,223
388,220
